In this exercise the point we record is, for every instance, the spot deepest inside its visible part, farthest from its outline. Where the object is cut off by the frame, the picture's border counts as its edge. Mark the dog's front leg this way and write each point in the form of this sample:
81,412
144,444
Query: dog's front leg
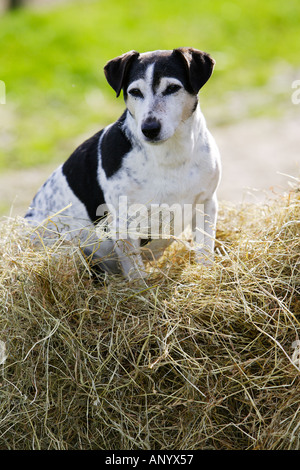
129,255
206,231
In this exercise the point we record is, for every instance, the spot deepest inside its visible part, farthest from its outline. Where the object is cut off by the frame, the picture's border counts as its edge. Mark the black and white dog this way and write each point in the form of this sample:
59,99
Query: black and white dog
159,152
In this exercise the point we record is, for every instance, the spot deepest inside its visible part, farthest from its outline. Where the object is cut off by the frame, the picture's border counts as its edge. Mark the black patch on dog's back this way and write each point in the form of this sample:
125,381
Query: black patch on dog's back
81,170
114,145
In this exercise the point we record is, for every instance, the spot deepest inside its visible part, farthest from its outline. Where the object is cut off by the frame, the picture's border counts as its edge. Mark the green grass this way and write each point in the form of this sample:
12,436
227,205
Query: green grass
52,61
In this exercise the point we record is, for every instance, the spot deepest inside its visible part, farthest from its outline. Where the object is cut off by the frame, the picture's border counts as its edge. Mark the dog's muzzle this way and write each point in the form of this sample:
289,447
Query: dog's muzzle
151,128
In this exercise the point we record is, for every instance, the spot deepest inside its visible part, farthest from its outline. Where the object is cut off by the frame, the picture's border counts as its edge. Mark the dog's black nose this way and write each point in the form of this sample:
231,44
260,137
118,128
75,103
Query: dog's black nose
151,128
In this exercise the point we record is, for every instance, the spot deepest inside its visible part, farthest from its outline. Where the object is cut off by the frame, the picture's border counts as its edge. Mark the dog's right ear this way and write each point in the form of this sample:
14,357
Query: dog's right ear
116,69
199,66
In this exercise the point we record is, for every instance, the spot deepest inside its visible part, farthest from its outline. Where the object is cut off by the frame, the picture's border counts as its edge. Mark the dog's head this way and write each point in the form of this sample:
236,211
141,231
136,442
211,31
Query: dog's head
160,88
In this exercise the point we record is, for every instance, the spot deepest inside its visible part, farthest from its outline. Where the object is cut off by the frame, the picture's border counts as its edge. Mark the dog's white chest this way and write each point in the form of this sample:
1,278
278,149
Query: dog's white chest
171,185
146,179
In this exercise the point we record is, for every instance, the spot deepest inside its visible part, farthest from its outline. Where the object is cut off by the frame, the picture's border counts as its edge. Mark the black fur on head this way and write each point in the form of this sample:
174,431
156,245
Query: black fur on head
199,66
196,67
116,69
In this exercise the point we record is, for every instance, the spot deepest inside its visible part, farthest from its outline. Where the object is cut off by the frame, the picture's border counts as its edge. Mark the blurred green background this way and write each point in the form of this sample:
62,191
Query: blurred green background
53,53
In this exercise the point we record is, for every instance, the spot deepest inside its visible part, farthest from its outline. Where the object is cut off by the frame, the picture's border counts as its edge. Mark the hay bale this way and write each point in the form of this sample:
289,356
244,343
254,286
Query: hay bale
200,358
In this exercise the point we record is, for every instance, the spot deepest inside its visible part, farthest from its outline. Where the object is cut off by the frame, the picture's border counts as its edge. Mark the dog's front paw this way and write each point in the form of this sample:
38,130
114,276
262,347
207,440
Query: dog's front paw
137,279
205,258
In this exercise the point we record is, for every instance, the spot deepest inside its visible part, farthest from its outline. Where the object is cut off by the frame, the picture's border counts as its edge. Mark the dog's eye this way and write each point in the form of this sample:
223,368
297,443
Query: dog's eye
136,93
171,89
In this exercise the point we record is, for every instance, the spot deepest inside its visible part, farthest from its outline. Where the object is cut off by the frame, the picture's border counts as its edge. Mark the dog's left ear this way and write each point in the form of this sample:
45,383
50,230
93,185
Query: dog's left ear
199,66
116,69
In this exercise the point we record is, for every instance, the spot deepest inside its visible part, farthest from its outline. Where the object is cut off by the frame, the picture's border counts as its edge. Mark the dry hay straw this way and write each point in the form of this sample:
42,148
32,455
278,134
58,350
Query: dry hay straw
198,358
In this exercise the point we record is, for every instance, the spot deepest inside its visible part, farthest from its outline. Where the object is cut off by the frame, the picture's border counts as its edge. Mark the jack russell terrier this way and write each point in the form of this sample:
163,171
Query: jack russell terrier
159,152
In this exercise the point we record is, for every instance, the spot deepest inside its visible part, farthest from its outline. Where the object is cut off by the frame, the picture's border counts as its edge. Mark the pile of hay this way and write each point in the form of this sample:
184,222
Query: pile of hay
200,358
